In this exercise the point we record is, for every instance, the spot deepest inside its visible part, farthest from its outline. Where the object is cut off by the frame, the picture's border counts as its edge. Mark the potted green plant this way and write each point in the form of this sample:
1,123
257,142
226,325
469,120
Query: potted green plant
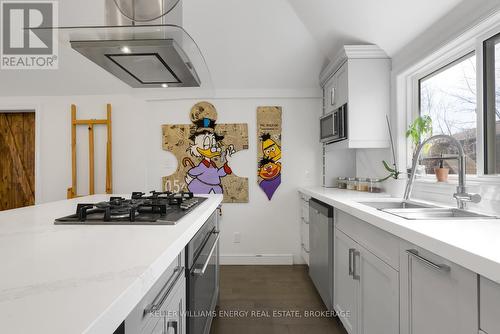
418,130
441,172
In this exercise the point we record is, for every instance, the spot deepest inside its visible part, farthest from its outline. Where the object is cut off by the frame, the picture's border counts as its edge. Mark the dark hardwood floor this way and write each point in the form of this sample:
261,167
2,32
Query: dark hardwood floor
258,291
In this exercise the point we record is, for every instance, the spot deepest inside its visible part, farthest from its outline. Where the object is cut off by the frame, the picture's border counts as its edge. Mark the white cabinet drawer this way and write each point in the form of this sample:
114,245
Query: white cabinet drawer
305,212
305,255
304,197
137,320
304,233
489,306
382,244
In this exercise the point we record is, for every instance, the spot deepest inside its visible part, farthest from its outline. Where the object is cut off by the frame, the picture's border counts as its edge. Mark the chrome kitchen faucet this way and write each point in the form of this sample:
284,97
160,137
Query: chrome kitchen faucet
461,195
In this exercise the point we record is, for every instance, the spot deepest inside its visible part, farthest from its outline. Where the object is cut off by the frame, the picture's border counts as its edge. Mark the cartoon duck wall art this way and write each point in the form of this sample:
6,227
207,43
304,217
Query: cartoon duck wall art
205,178
269,166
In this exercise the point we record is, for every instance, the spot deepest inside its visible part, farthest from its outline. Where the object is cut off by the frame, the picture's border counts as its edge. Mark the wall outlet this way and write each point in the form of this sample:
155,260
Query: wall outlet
236,237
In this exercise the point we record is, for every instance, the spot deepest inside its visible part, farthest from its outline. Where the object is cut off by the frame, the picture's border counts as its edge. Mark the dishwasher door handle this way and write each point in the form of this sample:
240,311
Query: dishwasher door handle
200,272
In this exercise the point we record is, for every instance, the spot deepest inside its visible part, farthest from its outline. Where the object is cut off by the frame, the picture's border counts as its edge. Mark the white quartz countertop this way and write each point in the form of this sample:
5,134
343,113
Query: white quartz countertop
473,244
81,279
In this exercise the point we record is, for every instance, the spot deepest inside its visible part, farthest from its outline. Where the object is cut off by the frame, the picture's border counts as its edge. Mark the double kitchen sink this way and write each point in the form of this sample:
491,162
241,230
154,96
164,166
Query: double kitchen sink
419,211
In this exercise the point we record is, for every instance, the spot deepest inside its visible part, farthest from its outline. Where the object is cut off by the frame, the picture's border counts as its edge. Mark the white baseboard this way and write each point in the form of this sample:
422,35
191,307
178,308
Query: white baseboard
256,259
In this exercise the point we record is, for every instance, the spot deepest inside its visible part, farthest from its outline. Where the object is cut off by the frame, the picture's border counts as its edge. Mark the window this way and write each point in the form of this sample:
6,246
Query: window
448,97
492,105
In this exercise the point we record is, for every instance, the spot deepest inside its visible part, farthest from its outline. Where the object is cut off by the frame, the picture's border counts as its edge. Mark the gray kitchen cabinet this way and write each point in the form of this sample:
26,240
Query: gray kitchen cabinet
175,319
304,227
489,306
162,310
436,295
170,319
335,90
378,295
366,287
341,91
360,77
344,286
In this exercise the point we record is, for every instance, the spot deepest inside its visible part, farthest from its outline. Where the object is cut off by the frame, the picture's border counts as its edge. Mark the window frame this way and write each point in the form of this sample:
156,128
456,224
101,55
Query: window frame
408,95
419,96
489,87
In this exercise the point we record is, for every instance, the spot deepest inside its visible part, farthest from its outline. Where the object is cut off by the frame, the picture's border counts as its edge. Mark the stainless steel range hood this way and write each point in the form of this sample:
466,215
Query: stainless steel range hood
143,44
142,63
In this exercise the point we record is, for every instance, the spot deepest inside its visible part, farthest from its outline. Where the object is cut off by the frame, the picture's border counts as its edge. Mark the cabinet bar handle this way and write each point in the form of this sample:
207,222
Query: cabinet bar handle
172,324
351,251
440,267
160,299
200,272
355,276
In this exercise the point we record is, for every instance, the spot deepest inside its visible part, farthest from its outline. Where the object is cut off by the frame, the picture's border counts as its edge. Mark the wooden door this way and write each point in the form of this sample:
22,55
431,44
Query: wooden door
17,159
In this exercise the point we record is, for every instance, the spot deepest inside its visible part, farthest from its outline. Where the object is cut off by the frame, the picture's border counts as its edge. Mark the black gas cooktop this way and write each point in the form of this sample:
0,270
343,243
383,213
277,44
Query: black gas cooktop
157,208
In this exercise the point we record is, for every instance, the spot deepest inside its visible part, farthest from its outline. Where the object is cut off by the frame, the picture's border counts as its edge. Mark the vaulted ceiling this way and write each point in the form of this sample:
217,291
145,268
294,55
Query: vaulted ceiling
258,44
390,24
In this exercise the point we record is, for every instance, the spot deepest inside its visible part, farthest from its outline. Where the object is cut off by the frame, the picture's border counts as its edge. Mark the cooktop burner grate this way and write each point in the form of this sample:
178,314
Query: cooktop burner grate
157,208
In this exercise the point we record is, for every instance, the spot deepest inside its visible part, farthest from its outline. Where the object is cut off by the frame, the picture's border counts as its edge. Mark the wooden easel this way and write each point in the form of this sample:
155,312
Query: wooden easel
90,123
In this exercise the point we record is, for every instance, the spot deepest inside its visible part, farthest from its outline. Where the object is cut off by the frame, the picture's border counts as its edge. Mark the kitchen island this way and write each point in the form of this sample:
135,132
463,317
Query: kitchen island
82,279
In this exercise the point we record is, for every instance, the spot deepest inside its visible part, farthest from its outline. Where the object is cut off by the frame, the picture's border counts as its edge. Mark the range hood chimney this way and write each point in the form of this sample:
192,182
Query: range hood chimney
143,44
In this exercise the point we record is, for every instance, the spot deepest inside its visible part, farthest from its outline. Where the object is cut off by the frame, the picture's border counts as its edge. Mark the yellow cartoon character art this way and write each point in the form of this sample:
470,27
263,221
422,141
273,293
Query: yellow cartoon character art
270,166
270,148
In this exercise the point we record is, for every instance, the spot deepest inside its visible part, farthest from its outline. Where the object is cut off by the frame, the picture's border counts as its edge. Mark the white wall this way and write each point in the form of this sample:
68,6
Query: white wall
266,227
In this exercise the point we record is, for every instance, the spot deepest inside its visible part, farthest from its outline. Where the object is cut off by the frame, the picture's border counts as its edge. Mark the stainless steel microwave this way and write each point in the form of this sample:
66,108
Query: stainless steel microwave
333,126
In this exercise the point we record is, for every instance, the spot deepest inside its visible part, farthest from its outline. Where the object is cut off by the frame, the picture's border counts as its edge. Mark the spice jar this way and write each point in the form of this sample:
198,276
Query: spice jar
351,183
375,186
342,183
361,184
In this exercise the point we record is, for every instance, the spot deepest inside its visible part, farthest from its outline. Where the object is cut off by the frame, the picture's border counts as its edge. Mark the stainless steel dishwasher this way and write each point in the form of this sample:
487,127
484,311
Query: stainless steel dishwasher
321,249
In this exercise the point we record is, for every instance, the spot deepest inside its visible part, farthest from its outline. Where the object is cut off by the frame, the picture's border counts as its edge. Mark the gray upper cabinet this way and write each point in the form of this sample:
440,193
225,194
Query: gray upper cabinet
360,77
489,306
335,90
437,296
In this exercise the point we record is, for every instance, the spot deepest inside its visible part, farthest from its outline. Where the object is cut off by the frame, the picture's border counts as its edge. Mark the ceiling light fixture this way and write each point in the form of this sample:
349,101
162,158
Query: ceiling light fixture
125,49
164,85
